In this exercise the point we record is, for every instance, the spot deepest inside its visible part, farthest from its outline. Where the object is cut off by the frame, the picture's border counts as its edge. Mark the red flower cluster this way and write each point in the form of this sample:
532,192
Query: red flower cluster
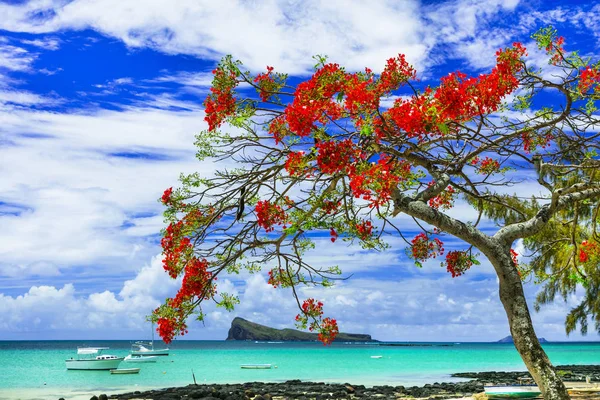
396,72
334,235
269,214
376,182
314,104
587,250
330,207
555,47
335,156
364,229
312,101
175,248
312,308
197,282
458,262
167,329
444,200
266,84
458,99
220,103
532,140
422,248
275,277
588,77
486,166
514,255
359,97
296,164
328,330
166,197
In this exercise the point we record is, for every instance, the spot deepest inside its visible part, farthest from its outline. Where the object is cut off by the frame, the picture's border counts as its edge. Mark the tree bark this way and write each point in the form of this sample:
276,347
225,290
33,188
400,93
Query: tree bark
512,297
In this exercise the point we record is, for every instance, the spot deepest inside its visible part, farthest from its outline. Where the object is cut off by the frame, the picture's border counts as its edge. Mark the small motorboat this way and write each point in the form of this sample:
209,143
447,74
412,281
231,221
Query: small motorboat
91,358
256,366
141,359
376,356
512,391
120,371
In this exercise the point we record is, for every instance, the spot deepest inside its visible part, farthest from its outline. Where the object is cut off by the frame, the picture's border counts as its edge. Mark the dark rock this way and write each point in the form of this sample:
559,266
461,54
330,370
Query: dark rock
103,397
94,397
242,329
259,397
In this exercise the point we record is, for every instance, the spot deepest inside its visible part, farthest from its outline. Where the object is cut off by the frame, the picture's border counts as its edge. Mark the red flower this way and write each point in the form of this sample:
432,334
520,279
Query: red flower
269,214
423,248
166,197
458,262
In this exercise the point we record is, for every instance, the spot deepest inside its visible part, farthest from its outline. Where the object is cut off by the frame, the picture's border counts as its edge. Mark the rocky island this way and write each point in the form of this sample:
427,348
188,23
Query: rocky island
242,329
509,339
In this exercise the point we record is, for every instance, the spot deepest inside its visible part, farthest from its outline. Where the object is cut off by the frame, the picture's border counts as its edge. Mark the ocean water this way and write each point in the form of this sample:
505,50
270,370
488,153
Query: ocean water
33,365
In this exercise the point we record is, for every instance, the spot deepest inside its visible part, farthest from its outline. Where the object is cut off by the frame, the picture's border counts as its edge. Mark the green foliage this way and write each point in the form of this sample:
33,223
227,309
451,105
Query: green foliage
544,37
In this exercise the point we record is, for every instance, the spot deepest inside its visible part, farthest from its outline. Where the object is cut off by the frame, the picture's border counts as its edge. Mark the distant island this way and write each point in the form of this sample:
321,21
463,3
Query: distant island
242,329
509,339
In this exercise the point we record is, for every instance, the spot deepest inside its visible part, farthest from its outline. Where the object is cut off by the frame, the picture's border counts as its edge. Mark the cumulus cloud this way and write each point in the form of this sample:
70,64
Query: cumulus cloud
413,309
285,34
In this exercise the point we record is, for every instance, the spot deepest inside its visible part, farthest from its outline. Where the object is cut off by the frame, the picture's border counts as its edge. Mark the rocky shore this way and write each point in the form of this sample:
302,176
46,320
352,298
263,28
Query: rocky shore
298,390
569,373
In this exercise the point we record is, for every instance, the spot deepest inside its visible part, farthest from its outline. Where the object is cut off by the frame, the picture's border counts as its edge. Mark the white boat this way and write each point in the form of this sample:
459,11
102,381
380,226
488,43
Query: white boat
91,358
147,348
125,371
513,391
141,359
256,366
376,356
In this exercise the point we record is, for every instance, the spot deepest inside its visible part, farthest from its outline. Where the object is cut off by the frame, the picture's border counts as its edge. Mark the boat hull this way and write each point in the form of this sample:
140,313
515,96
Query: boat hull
256,366
150,352
512,392
141,359
125,371
96,365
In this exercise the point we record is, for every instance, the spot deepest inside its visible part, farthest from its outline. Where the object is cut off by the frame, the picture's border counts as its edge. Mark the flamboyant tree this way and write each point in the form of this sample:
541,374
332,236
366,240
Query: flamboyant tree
324,156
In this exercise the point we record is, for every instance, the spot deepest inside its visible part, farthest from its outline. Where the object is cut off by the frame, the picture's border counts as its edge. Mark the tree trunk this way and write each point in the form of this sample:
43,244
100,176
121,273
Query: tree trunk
524,337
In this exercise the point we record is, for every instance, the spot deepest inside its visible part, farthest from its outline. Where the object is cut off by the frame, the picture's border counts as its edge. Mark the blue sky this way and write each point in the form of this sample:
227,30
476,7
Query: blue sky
99,104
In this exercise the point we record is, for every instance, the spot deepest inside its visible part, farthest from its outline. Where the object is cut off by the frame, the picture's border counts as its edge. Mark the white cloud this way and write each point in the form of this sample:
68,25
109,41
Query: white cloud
77,190
25,98
285,34
15,58
43,43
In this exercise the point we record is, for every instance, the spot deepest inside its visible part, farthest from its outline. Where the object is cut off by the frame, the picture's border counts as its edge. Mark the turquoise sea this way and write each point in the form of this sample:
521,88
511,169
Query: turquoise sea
39,365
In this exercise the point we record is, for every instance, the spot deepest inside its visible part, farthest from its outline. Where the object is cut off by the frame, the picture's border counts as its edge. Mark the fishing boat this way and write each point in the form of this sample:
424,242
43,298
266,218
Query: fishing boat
141,359
512,391
147,348
91,358
256,366
125,371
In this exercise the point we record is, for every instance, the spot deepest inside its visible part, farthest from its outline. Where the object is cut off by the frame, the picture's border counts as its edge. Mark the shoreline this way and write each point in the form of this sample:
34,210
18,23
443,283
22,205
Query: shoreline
305,390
